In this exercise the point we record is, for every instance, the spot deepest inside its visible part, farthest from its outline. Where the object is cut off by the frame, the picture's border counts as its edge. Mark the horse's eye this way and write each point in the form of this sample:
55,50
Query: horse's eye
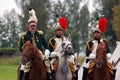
30,49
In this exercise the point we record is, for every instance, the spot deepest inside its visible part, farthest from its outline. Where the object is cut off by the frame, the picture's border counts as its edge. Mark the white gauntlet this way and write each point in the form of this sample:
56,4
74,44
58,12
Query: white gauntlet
92,56
53,54
108,56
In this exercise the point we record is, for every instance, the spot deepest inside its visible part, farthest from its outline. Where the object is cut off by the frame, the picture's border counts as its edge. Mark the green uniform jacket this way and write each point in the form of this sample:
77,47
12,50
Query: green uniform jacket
90,47
38,38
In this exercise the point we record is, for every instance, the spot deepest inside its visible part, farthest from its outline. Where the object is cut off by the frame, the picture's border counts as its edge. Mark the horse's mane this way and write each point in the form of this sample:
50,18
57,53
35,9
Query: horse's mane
37,52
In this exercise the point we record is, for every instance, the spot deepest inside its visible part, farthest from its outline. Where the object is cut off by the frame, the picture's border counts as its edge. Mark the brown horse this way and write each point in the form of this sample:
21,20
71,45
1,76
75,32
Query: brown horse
32,54
100,69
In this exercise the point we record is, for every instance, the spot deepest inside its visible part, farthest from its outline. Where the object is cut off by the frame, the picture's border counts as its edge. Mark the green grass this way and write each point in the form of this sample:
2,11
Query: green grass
8,72
8,67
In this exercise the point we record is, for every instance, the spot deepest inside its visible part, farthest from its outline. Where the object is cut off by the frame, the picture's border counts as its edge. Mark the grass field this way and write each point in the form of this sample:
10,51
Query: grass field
8,67
8,72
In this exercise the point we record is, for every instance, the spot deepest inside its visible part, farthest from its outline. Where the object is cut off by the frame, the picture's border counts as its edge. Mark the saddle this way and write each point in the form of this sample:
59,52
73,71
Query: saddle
92,66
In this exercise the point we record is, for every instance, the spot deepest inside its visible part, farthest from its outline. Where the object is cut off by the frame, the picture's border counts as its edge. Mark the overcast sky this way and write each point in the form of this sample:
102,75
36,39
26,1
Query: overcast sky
10,4
7,5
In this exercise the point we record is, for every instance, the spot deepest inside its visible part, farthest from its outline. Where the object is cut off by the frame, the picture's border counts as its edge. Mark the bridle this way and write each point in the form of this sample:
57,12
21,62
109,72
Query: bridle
65,51
29,58
99,64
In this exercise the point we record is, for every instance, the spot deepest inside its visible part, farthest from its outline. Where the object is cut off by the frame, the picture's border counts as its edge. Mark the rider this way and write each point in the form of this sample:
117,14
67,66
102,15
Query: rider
92,44
36,35
55,46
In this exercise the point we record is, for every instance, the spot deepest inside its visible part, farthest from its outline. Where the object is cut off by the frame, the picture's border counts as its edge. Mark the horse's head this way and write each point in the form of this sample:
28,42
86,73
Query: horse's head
101,54
27,51
67,45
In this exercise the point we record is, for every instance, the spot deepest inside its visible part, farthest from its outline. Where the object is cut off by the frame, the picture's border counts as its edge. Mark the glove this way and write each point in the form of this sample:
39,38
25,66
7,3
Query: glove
47,53
53,54
92,56
108,56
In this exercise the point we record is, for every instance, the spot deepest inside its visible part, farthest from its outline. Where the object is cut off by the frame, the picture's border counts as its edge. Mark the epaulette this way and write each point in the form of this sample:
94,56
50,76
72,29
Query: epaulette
50,42
40,31
23,34
88,45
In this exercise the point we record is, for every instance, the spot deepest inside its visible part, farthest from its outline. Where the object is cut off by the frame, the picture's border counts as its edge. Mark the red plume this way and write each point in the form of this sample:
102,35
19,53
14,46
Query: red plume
62,22
102,24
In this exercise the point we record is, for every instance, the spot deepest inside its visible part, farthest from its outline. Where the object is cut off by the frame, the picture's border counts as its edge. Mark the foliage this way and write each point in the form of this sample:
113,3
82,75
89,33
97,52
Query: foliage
116,20
10,29
104,8
8,49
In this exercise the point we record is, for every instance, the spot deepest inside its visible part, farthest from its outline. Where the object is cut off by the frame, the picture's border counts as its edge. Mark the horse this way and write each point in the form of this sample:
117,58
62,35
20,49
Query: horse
100,69
37,68
63,71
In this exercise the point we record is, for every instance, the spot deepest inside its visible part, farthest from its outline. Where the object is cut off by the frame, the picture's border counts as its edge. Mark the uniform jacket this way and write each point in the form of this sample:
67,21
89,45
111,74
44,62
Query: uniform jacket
90,46
55,44
37,37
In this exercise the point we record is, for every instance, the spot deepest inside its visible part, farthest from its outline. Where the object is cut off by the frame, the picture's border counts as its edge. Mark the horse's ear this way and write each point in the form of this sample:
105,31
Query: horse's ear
31,41
63,38
106,42
69,37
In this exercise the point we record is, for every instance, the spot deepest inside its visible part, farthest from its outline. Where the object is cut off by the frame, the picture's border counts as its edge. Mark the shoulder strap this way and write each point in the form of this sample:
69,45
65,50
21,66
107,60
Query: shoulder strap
88,45
40,32
23,34
50,42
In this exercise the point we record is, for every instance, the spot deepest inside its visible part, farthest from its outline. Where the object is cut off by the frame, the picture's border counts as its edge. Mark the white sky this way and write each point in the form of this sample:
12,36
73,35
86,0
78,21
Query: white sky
10,4
7,5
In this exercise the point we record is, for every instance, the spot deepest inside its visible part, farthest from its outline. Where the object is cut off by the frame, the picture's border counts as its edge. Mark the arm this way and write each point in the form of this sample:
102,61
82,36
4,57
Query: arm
89,48
20,44
51,44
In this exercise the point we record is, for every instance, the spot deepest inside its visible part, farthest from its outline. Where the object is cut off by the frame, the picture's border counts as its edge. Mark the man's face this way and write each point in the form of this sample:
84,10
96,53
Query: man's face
59,32
32,28
97,35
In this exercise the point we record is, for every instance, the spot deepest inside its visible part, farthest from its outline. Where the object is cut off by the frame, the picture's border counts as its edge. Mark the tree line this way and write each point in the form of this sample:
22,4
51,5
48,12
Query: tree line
79,20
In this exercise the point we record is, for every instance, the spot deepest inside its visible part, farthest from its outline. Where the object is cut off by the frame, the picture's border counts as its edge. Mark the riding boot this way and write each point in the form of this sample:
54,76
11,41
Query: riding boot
20,76
85,71
53,75
114,74
25,74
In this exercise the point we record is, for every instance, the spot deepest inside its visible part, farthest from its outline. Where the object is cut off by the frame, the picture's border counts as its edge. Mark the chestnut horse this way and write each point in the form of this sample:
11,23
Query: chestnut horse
32,54
100,70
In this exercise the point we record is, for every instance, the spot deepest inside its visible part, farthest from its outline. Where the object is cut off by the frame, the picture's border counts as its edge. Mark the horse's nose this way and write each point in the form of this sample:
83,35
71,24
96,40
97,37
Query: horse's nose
69,48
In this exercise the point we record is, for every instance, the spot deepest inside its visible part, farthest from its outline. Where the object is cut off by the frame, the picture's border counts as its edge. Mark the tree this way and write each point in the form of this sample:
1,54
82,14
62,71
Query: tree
104,8
77,21
41,8
10,29
116,20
